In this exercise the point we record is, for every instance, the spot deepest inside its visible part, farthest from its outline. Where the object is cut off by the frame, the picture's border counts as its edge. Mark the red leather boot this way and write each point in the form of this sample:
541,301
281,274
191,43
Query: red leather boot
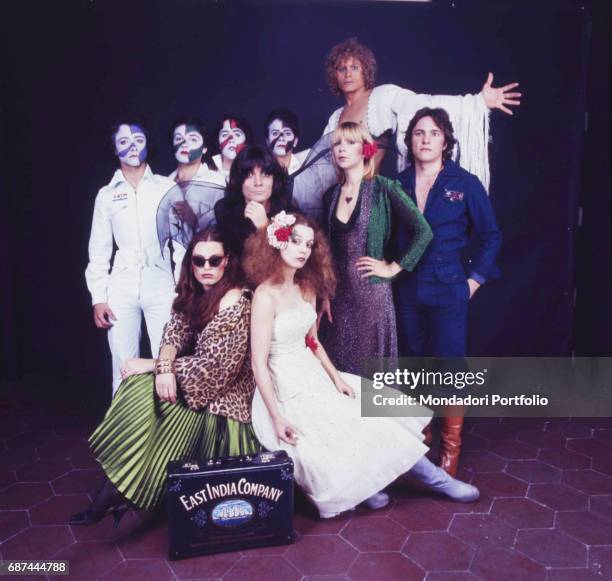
451,443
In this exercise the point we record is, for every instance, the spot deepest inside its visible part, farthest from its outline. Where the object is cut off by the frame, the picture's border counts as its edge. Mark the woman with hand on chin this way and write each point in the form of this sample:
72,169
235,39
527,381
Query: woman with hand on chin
192,402
302,403
256,190
359,215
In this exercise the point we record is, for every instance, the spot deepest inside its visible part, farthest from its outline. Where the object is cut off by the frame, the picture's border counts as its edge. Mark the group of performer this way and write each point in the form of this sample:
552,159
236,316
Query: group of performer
232,256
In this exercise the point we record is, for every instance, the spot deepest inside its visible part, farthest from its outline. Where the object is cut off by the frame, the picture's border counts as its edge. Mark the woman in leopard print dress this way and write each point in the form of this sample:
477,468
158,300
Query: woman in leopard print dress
192,402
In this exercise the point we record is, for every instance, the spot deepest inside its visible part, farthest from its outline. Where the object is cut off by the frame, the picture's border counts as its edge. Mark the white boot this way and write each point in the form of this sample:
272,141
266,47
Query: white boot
374,502
435,479
377,501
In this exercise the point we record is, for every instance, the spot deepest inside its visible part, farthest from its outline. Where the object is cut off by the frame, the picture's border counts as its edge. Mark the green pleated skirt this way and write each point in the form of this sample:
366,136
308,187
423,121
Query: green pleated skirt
140,435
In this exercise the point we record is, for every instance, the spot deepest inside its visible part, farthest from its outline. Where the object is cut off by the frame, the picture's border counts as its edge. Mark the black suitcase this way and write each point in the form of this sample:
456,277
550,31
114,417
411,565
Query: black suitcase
229,504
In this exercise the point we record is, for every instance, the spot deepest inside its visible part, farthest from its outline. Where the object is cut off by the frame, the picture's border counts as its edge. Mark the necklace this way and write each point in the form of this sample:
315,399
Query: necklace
348,198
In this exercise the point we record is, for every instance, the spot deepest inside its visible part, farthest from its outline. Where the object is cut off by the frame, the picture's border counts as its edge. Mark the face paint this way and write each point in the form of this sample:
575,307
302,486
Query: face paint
131,145
281,139
188,144
232,139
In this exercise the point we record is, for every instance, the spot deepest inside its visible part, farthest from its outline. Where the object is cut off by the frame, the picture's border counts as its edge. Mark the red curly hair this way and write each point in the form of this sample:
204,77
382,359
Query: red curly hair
262,262
350,47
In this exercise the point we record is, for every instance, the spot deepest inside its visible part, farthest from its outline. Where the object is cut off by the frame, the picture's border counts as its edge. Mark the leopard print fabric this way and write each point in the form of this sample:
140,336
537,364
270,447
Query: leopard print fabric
218,376
178,334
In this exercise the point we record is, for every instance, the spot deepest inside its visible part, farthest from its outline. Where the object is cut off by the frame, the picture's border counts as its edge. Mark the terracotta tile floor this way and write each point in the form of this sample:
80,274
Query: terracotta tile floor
545,512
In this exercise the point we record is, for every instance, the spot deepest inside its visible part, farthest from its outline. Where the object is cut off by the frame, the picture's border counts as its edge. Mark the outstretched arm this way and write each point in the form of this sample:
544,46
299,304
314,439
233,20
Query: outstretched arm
469,115
500,97
493,97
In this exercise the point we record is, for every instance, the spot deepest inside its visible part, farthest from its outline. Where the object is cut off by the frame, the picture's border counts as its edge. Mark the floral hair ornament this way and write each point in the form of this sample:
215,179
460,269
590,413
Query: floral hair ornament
370,149
280,229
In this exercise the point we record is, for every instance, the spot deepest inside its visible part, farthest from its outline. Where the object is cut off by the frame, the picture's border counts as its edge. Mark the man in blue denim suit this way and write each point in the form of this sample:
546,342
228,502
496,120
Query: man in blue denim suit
432,300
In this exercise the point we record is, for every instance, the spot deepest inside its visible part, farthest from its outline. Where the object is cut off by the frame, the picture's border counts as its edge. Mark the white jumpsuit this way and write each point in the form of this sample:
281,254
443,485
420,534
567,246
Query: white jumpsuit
141,280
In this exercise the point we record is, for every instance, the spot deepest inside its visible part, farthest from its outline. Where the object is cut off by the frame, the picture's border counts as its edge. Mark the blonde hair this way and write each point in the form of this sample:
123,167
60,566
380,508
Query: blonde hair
355,132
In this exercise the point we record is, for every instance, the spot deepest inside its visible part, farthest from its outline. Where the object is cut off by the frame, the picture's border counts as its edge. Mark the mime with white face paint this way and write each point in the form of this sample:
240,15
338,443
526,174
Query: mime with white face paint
282,131
233,134
140,280
189,141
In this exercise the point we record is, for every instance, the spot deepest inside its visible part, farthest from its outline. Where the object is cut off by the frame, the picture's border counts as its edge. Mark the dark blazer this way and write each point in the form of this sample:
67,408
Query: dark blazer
456,207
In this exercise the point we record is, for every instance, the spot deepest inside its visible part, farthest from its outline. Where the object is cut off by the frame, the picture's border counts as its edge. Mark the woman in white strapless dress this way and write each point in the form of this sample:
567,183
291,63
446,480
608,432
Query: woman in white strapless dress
303,404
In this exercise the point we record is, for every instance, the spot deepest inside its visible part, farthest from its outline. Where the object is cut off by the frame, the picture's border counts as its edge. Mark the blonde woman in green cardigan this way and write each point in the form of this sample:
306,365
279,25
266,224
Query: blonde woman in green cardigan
359,215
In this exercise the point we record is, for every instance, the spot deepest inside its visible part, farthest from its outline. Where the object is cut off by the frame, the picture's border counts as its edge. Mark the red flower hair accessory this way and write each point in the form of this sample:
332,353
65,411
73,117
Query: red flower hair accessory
370,149
280,229
311,343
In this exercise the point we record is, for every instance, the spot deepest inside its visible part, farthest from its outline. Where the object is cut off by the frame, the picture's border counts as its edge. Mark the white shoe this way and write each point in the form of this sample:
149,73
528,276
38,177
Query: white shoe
377,501
437,480
328,514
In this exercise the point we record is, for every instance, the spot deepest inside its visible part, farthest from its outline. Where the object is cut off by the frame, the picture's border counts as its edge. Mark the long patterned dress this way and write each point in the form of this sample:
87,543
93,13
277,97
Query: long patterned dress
364,323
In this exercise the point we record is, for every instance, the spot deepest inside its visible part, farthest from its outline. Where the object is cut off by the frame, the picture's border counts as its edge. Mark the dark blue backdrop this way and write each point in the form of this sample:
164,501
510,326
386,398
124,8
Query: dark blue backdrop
69,67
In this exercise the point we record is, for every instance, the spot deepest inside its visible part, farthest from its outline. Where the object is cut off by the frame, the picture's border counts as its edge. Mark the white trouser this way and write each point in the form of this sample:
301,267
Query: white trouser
131,293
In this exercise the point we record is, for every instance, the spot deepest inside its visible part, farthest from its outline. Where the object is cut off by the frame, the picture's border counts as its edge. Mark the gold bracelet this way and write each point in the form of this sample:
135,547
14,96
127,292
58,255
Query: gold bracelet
164,366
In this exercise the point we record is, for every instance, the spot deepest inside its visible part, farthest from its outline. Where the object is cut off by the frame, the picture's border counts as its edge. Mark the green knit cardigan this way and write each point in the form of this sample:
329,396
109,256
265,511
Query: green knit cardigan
389,204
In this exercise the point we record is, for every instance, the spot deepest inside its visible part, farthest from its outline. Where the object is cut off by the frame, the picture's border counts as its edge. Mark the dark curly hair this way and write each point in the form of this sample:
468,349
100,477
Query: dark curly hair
262,262
350,47
441,119
200,306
